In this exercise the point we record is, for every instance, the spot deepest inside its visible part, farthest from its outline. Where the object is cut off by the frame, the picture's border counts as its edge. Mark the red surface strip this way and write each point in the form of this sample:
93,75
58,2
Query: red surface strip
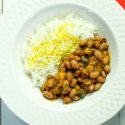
122,3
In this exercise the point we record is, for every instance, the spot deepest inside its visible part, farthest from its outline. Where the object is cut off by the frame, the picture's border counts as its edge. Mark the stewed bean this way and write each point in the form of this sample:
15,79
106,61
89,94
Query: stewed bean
77,87
65,85
73,83
69,76
88,51
50,82
74,57
89,43
78,52
90,68
66,91
62,67
56,90
104,46
67,64
101,79
99,38
107,68
72,93
106,60
82,72
103,74
48,95
91,88
97,86
105,53
82,43
94,74
76,98
67,100
87,82
74,64
98,55
97,44
49,76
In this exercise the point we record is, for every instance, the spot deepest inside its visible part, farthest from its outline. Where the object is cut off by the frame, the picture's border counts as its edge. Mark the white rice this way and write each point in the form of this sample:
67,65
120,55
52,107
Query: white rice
81,29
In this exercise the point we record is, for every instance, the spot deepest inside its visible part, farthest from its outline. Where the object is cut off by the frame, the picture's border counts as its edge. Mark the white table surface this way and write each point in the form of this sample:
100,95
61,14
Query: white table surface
9,118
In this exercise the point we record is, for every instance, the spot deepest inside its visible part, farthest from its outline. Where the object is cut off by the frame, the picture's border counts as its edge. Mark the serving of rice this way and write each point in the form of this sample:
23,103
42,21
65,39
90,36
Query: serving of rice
50,42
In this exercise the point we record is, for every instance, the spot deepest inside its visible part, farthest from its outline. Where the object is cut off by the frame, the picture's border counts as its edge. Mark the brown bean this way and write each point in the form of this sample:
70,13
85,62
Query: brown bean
104,46
90,68
103,74
77,73
66,58
87,82
69,76
91,88
94,74
67,64
107,68
76,98
85,72
49,76
65,85
46,86
88,51
67,100
50,82
74,64
56,90
62,67
80,79
97,86
66,91
105,53
73,83
48,95
78,52
82,43
72,93
92,61
104,40
90,43
99,38
98,55
96,44
106,60
101,79
61,75
77,87
73,57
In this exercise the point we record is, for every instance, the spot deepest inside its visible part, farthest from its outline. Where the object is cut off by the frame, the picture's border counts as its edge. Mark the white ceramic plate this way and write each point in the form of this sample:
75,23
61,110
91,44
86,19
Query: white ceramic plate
16,88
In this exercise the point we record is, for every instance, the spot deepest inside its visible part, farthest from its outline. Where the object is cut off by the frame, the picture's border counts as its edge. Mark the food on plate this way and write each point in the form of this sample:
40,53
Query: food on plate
79,73
50,42
66,58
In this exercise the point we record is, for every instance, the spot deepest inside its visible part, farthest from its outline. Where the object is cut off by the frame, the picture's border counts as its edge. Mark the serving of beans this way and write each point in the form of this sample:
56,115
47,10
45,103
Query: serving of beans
83,71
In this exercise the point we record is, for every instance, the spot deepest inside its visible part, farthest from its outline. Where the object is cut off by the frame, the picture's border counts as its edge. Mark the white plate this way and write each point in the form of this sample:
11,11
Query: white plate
16,89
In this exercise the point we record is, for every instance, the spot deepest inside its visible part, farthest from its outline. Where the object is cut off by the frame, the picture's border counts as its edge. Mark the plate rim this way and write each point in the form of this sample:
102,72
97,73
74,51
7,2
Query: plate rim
122,103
